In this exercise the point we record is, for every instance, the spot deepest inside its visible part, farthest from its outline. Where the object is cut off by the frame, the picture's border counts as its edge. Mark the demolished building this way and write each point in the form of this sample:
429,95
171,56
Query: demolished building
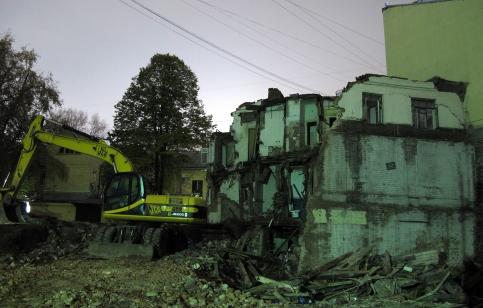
395,171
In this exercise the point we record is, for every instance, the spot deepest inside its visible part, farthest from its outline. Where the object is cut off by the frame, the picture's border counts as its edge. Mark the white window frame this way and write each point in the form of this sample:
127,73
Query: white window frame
372,114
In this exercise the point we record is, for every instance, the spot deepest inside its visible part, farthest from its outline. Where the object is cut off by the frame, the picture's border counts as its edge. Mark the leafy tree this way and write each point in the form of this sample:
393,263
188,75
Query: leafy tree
24,93
159,116
79,119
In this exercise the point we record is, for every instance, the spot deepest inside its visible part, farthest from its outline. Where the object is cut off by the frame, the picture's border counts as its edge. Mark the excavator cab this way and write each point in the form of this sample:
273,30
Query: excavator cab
123,189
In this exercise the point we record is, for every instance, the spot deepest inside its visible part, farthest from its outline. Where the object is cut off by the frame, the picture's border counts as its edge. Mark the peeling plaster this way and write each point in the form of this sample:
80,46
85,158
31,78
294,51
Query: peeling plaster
348,217
320,216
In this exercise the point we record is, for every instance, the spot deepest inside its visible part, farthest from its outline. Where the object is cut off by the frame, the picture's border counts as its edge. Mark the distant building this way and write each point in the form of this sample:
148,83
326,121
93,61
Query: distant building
76,194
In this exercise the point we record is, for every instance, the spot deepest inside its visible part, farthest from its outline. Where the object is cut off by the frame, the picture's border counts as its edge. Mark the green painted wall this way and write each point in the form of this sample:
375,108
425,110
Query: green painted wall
442,38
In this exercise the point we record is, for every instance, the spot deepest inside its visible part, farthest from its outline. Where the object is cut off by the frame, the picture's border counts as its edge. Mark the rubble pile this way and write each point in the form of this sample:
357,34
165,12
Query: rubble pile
56,272
417,279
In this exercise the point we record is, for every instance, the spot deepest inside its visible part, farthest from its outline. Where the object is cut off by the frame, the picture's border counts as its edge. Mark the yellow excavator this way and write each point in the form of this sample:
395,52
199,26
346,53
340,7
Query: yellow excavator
140,225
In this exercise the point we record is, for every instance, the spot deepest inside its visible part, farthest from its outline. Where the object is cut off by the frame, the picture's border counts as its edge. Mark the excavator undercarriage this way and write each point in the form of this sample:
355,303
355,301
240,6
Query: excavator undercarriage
137,242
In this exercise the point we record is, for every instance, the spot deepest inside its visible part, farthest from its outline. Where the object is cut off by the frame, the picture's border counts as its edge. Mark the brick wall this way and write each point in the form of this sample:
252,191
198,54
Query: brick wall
393,190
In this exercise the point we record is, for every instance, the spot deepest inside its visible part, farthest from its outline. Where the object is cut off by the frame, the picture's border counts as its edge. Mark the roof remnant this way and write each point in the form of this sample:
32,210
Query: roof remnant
444,85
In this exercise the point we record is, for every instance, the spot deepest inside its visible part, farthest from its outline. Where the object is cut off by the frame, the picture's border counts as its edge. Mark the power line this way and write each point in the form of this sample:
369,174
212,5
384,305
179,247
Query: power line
310,67
285,34
248,69
341,25
223,50
305,11
325,35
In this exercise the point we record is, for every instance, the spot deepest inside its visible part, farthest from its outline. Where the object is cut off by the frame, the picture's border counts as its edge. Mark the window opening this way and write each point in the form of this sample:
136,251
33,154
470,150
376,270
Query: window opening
312,136
197,187
331,121
424,113
372,108
252,138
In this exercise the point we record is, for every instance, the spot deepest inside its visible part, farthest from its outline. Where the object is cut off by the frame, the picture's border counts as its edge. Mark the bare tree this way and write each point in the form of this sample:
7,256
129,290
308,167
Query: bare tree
79,120
98,127
72,117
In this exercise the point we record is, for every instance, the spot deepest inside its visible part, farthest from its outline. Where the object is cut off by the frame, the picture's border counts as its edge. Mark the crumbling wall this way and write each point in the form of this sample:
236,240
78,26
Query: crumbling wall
476,137
272,133
398,193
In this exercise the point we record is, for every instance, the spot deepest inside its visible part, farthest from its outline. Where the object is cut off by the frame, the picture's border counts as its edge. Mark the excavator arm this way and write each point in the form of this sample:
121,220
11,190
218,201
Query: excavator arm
36,134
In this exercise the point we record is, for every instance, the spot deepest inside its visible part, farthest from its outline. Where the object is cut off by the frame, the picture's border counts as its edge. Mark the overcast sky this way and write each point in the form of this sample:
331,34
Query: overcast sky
237,49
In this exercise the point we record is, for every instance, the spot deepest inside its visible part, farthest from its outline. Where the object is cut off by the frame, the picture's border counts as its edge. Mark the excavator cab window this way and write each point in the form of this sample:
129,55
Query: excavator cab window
122,190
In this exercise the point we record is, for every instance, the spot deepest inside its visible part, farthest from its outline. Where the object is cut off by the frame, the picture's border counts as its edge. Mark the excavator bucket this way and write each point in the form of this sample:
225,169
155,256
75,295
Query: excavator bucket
103,250
3,217
125,242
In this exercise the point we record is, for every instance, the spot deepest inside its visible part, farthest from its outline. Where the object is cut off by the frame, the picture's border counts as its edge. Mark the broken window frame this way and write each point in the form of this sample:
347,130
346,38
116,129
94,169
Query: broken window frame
309,126
332,120
372,108
424,113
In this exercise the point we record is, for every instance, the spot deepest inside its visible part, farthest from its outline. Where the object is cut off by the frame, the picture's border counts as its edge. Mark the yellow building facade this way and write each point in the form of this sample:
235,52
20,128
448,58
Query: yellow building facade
193,175
438,38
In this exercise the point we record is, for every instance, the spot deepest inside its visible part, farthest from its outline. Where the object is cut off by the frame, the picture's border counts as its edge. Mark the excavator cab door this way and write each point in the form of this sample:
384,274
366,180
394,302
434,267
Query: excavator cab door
123,189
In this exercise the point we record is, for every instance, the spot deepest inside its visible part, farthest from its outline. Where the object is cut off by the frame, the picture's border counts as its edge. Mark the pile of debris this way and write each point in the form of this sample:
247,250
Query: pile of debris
418,278
236,273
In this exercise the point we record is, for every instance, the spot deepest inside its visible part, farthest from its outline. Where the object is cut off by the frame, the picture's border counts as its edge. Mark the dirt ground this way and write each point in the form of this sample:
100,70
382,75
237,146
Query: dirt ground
47,266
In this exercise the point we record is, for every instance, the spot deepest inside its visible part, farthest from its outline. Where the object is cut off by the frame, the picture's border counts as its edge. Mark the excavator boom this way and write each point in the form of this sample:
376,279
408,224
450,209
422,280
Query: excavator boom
36,134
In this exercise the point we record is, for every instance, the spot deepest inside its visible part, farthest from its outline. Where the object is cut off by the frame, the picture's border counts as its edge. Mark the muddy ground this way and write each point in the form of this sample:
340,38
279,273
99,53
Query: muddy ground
47,265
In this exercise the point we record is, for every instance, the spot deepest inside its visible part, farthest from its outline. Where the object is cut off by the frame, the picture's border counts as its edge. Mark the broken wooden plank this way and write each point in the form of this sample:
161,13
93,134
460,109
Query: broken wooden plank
452,287
280,297
243,273
422,258
252,268
384,287
279,284
299,294
356,257
433,277
396,269
386,261
261,287
436,289
240,245
335,274
313,273
245,255
314,285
